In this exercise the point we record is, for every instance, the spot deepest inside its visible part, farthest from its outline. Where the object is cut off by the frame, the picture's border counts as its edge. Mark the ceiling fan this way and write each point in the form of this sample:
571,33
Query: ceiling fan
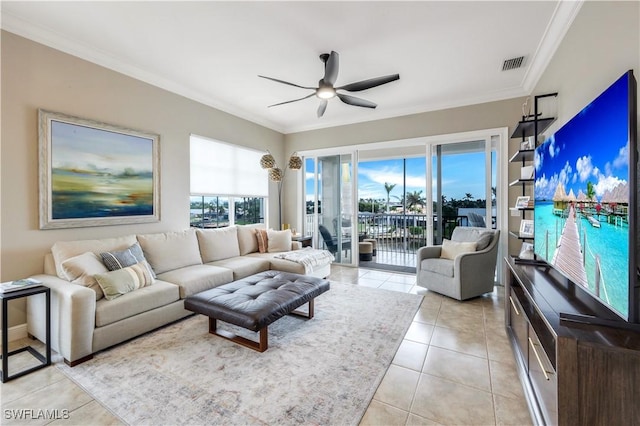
326,89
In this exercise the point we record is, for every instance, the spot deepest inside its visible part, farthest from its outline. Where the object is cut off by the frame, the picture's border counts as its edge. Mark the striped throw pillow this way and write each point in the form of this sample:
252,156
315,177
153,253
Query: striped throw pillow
122,281
115,260
263,240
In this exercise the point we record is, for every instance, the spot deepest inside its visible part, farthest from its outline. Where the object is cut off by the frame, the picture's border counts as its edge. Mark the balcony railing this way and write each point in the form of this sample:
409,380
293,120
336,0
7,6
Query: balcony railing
395,233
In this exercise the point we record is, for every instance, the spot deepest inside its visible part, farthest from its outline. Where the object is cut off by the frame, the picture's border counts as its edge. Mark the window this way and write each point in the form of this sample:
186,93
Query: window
228,186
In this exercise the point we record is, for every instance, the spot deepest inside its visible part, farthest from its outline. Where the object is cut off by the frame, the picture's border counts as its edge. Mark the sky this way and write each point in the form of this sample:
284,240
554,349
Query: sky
591,147
87,148
462,174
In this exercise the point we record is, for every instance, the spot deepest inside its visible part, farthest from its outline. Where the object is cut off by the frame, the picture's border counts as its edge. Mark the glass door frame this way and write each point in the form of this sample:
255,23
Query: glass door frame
498,137
301,196
495,140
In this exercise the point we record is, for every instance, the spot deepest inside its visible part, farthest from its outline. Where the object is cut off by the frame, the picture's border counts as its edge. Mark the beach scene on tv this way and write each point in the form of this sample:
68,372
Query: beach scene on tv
581,192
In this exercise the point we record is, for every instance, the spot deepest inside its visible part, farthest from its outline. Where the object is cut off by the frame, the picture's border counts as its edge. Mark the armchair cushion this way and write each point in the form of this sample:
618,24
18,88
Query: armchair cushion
451,249
443,267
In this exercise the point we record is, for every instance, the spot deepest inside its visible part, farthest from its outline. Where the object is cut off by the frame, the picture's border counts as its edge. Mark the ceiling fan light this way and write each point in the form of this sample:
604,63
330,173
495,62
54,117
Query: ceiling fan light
326,92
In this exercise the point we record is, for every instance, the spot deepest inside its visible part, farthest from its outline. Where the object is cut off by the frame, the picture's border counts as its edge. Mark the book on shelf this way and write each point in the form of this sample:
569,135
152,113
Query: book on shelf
19,285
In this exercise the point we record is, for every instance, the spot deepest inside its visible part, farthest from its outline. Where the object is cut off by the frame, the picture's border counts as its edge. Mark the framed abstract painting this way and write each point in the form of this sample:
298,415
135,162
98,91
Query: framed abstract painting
96,174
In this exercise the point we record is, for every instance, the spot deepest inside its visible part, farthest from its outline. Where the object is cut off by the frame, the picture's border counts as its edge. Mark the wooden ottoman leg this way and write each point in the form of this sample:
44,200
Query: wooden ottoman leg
259,346
309,314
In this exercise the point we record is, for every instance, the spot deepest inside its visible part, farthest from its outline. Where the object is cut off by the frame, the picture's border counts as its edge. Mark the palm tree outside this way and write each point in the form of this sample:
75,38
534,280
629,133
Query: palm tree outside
389,187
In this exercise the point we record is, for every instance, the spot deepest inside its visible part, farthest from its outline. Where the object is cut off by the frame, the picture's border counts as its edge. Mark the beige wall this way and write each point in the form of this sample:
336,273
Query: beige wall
35,76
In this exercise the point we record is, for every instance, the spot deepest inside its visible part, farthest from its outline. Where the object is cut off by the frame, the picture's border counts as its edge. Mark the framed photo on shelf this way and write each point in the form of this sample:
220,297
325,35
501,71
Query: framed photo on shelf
522,202
526,228
526,251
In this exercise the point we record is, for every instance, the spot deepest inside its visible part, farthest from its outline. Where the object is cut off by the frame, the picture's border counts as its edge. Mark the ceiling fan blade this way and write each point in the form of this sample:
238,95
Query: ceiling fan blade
286,82
322,108
331,68
295,100
368,84
352,100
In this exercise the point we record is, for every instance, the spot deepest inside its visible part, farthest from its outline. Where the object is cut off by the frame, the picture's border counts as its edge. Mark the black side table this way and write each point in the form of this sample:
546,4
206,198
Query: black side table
44,359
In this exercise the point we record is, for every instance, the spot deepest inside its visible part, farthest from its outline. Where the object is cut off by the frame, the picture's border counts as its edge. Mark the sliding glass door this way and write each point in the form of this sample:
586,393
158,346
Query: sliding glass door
329,189
463,182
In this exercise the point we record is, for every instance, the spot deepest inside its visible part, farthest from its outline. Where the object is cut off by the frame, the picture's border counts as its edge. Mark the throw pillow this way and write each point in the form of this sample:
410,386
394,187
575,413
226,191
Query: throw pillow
63,250
484,240
81,270
122,281
451,249
115,260
263,240
279,240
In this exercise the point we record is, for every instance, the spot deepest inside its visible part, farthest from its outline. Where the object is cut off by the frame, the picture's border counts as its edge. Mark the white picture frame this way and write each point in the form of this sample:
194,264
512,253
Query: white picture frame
127,178
526,228
526,251
522,201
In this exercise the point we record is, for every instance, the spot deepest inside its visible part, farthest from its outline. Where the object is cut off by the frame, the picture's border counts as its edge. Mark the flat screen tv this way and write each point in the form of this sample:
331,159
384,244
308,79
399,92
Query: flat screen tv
585,213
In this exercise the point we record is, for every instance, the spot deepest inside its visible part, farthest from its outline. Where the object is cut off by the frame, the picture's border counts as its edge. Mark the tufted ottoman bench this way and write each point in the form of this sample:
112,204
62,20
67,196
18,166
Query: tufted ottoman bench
255,302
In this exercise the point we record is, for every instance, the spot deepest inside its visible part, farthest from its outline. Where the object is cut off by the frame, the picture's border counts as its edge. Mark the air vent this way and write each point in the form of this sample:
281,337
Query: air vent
513,63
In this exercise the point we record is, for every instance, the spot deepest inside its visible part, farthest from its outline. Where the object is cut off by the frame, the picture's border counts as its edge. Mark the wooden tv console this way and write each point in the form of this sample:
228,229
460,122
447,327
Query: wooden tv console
572,373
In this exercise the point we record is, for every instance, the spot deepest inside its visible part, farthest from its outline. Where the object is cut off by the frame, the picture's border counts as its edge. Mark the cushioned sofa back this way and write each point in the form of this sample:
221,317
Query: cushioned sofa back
247,238
218,244
482,236
171,250
64,250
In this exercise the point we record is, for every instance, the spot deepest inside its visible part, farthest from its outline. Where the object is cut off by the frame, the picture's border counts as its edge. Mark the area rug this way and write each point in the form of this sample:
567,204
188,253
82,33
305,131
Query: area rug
320,371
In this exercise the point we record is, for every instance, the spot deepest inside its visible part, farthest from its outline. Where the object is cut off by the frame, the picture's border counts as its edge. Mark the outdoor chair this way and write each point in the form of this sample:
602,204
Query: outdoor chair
463,267
332,242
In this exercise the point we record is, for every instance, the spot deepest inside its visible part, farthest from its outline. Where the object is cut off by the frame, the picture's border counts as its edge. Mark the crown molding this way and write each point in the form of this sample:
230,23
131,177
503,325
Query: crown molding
560,22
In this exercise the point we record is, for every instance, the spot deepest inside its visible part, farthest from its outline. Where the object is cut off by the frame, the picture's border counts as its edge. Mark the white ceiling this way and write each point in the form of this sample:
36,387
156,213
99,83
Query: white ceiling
448,54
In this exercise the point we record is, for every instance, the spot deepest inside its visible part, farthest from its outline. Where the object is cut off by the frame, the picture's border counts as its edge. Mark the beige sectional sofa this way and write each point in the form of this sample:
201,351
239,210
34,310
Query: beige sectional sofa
184,263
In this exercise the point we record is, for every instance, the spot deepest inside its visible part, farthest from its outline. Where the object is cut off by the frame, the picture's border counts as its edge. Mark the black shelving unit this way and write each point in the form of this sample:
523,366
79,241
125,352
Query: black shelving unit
531,125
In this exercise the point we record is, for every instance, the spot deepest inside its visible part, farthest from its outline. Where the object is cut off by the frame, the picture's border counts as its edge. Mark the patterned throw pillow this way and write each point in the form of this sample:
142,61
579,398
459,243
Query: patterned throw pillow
115,260
122,281
263,240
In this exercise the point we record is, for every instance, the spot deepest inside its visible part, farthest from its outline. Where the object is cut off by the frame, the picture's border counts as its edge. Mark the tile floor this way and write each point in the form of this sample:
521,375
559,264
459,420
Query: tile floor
454,367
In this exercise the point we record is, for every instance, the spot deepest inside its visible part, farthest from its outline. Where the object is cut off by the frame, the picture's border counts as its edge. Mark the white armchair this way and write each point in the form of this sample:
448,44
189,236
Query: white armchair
463,267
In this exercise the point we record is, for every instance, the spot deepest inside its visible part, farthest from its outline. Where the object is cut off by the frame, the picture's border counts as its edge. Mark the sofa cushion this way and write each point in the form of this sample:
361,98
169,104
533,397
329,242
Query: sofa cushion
247,238
451,249
243,266
171,250
279,240
119,259
81,270
196,278
63,250
280,264
439,266
122,281
128,305
217,244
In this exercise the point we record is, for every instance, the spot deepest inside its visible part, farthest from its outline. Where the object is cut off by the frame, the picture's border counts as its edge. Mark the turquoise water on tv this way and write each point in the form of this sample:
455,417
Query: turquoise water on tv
609,242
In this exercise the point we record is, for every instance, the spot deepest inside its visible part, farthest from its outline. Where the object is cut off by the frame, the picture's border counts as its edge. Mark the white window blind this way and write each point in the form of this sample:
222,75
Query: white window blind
219,168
